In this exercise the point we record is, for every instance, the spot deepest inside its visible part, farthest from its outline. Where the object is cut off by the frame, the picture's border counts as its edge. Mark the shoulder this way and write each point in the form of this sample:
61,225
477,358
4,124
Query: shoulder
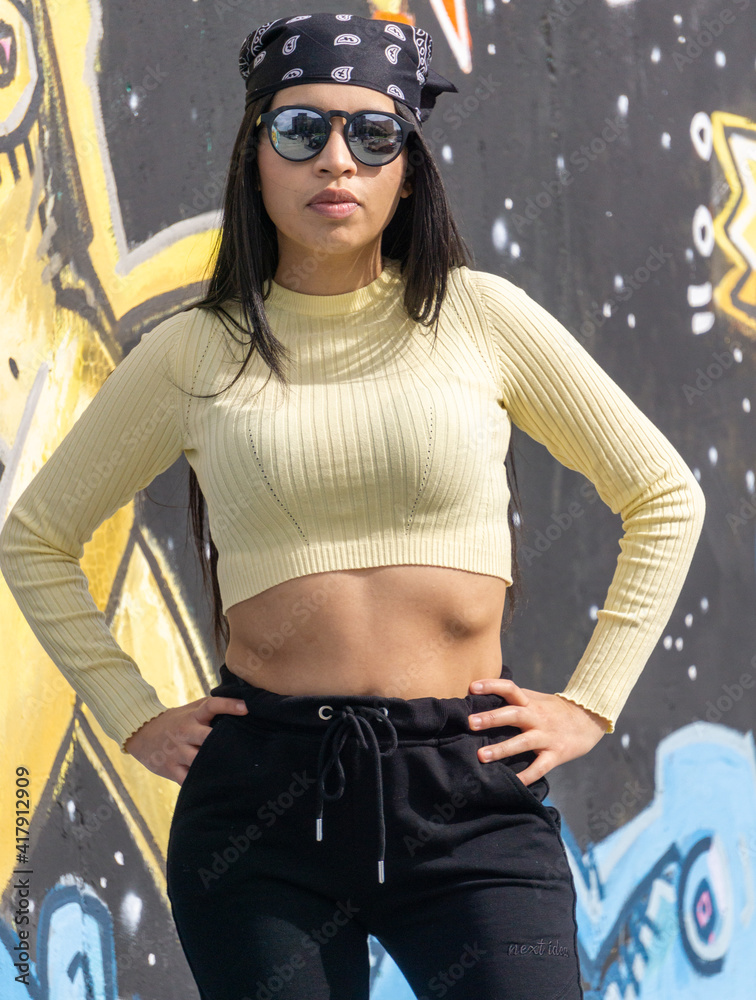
487,285
494,293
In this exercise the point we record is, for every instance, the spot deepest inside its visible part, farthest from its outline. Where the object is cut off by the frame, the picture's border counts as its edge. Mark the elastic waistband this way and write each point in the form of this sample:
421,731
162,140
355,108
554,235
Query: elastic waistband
337,718
413,718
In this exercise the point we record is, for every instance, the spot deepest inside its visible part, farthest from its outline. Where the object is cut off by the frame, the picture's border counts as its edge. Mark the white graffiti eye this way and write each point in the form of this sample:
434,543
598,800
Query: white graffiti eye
706,892
20,83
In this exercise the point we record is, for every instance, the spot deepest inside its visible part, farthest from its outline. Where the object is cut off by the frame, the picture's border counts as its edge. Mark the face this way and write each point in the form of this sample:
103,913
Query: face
287,187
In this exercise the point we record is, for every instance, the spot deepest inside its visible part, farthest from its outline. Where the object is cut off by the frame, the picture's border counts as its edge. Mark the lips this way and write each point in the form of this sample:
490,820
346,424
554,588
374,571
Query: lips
334,196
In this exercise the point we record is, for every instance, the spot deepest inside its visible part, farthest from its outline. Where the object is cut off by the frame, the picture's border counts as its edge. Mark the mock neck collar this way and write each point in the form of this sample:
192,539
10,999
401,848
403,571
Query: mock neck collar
376,292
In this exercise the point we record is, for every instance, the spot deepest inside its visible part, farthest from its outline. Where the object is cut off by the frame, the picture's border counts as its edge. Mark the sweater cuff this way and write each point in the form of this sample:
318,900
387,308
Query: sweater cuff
585,703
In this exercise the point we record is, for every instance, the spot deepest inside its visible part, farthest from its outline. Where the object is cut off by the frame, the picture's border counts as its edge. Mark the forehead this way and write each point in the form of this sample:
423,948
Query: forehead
326,96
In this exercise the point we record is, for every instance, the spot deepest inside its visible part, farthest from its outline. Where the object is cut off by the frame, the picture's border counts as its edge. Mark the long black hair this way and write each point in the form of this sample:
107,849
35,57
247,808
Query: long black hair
245,257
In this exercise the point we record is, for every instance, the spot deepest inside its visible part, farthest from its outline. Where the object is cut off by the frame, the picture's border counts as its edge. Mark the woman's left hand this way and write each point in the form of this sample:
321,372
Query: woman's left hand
558,730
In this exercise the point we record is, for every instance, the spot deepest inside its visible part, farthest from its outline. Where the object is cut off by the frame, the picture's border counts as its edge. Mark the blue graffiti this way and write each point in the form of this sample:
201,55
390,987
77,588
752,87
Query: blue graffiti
666,904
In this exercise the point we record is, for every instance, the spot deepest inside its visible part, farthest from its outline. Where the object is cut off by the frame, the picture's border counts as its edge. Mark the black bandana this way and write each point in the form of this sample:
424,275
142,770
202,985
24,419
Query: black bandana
388,56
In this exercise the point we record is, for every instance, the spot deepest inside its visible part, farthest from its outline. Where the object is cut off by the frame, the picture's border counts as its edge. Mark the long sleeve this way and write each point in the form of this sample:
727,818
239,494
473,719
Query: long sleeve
129,433
555,391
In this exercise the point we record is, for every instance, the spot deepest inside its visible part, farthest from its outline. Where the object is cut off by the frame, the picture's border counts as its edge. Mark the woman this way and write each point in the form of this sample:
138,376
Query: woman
360,510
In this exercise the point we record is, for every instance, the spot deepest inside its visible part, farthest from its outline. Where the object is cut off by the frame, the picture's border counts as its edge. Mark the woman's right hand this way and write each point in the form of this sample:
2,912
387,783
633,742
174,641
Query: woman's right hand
168,744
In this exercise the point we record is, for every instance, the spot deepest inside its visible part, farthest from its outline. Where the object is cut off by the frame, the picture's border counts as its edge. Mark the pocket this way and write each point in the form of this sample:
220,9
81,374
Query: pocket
535,792
209,742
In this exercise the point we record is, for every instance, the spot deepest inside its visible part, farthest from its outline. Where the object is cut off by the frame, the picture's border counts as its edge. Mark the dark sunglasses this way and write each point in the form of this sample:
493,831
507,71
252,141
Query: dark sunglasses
298,132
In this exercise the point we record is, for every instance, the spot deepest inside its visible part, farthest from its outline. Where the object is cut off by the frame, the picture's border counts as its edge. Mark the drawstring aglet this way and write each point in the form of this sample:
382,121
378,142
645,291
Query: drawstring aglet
380,872
319,829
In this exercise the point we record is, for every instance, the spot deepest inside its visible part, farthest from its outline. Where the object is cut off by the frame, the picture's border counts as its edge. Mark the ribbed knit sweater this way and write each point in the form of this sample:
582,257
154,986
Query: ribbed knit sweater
385,450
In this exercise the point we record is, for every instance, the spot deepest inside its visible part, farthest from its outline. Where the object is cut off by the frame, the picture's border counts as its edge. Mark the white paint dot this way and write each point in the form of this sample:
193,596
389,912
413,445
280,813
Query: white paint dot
622,104
720,59
631,320
119,858
606,309
508,203
682,39
666,140
151,959
491,47
677,18
619,282
697,473
713,455
667,643
71,809
499,235
746,404
689,619
704,604
593,612
625,740
655,54
131,911
737,354
749,478
702,322
692,672
515,249
678,643
103,882
446,152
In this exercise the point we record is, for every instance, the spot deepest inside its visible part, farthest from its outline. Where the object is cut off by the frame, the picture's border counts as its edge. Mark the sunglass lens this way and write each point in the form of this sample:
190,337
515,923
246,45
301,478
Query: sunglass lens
375,138
299,134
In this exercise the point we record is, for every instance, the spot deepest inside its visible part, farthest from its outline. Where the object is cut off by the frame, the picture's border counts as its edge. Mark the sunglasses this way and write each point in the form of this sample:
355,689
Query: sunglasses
297,132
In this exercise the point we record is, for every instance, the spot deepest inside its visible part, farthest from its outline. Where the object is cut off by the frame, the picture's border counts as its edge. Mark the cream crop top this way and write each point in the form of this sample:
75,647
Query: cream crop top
386,450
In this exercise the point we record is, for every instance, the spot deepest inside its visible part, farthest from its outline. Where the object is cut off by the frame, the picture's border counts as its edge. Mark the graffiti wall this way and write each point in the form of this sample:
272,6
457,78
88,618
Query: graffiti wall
602,155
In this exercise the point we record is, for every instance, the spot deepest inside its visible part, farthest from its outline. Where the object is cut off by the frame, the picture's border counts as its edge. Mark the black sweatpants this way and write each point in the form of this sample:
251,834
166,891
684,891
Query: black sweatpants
313,821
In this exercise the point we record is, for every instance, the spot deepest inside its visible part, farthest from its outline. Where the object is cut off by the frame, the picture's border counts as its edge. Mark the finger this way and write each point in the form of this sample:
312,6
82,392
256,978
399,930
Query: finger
532,773
502,686
506,748
216,705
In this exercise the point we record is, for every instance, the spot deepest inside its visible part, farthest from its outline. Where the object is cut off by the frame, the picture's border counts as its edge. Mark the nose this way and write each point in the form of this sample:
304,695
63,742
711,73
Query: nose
337,147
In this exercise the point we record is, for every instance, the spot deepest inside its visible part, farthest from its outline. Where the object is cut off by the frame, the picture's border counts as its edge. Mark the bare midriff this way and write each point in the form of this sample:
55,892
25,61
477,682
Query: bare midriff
396,631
